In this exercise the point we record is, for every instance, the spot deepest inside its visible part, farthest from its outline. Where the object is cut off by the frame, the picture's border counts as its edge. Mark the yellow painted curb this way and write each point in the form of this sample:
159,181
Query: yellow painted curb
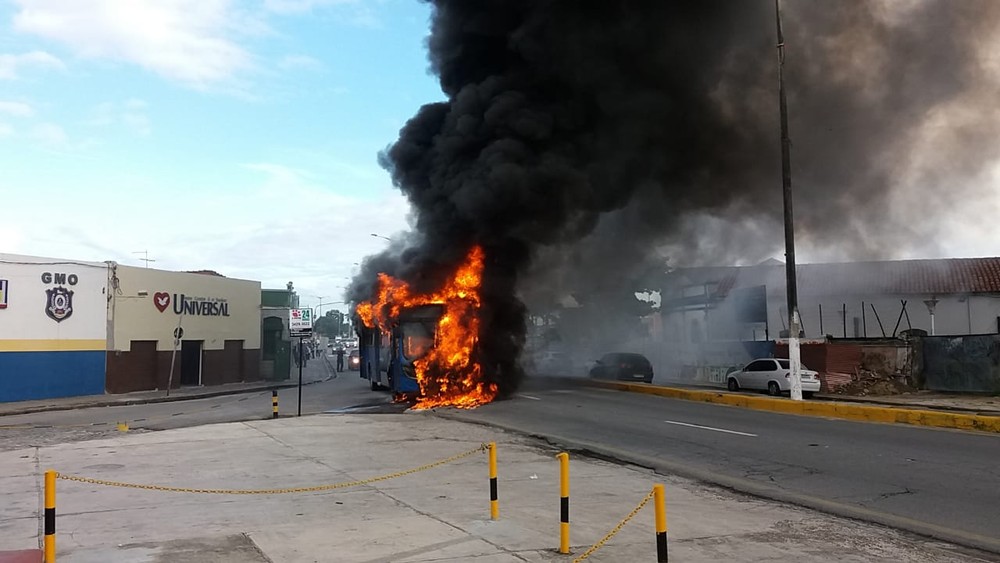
846,411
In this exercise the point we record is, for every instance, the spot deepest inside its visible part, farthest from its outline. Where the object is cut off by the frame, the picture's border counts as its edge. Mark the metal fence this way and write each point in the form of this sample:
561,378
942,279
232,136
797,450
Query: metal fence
962,363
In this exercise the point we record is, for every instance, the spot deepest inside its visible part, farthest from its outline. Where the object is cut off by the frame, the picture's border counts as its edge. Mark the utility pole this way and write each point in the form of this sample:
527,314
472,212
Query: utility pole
791,289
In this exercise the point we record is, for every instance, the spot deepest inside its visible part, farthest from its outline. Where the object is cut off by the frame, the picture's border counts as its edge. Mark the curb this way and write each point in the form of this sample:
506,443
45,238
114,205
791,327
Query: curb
833,397
746,486
864,413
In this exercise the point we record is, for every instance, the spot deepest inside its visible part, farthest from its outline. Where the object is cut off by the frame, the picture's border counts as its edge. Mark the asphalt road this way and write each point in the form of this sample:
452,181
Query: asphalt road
941,483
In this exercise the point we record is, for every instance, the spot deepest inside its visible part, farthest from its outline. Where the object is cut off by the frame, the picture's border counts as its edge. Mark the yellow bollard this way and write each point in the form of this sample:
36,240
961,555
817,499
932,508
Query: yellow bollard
660,503
563,502
50,516
274,403
123,426
494,499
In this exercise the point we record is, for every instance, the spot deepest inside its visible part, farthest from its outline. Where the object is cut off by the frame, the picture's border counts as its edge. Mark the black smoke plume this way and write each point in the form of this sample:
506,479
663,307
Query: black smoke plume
583,140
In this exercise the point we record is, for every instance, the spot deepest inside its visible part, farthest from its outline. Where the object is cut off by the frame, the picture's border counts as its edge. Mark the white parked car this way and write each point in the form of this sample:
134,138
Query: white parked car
771,375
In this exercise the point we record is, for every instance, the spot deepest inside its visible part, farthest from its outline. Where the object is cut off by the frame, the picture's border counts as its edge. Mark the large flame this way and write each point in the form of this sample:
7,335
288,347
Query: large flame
448,374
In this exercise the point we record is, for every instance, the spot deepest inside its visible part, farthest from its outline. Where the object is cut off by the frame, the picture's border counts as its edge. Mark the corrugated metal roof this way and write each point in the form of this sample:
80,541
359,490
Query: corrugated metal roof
895,277
943,276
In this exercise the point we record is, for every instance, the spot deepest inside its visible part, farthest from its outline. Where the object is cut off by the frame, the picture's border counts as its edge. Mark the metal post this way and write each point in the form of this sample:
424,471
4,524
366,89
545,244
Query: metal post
563,502
274,403
659,500
878,318
821,331
791,288
302,360
494,499
845,320
178,334
864,321
50,516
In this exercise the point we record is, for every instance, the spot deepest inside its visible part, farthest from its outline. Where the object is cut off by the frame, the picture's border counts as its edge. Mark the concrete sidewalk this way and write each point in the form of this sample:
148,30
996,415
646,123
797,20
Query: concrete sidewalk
440,514
316,370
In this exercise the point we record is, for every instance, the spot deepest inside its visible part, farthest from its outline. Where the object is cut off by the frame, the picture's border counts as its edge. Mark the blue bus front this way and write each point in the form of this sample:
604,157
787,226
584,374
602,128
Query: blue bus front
413,337
387,358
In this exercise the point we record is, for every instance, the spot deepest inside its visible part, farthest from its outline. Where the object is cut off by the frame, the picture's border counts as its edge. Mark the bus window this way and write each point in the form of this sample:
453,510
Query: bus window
418,339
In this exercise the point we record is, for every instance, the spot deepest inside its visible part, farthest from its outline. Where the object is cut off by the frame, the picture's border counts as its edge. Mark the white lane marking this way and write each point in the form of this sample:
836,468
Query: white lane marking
710,428
528,397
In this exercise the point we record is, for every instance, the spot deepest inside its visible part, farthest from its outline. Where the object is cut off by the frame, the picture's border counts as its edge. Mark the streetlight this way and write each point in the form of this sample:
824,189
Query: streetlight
931,305
380,236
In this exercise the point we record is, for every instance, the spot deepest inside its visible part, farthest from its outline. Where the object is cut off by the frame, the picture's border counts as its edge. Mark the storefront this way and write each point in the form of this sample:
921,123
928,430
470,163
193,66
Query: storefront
205,325
53,327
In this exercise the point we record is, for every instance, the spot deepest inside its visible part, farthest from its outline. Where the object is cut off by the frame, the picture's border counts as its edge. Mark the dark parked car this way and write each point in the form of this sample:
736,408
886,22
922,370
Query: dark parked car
623,366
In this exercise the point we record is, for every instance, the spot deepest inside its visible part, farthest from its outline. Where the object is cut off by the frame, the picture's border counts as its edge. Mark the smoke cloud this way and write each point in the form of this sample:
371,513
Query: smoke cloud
585,142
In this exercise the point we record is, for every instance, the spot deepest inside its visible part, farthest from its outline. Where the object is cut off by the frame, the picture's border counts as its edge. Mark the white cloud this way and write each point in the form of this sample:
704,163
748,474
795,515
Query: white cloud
360,13
284,225
302,6
131,114
50,134
11,64
6,130
305,62
187,41
17,109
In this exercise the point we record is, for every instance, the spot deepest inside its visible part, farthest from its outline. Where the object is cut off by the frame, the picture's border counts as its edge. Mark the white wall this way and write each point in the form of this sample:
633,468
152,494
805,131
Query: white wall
24,324
953,315
231,308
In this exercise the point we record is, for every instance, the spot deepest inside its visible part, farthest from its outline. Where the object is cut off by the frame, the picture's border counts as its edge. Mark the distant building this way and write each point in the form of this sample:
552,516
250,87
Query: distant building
712,316
276,358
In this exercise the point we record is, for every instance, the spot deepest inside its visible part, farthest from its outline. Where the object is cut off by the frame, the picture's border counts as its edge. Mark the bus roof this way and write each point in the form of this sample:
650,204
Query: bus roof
422,312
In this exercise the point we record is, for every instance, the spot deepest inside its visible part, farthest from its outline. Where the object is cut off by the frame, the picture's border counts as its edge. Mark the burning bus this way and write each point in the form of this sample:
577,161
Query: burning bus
388,353
422,346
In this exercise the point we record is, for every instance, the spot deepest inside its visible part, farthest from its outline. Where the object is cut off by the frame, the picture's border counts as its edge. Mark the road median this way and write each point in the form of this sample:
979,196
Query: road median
831,409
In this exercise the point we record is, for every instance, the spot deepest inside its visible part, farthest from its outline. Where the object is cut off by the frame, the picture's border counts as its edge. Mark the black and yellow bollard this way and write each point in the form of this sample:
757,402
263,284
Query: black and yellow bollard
274,403
494,499
563,502
661,523
50,516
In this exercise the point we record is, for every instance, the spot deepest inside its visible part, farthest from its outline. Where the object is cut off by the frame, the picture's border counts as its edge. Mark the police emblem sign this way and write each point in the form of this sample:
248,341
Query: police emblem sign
3,294
59,305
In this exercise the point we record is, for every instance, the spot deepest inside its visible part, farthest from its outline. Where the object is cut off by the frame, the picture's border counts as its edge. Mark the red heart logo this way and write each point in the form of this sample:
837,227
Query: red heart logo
162,300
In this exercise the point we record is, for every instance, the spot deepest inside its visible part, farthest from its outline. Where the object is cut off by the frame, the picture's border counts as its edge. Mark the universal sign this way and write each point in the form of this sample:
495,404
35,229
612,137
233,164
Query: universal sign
185,305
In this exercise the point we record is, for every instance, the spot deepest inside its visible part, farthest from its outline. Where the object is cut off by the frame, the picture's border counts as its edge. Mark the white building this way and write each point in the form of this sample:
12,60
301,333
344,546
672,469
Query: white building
81,328
53,327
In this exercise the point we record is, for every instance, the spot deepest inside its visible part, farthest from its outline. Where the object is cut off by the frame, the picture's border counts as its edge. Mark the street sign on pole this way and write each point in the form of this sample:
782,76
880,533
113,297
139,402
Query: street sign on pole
300,322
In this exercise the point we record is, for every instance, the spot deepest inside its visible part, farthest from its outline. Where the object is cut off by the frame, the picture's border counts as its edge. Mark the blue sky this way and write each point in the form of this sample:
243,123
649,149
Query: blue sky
230,135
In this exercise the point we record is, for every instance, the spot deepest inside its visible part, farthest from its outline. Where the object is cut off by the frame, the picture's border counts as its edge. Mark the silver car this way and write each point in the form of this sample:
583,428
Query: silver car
771,375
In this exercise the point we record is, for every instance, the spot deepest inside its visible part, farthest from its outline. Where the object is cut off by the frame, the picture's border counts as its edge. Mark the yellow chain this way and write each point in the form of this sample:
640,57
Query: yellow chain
481,448
614,531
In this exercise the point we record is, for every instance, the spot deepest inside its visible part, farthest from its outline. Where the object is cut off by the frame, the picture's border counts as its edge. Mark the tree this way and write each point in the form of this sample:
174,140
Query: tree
332,324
